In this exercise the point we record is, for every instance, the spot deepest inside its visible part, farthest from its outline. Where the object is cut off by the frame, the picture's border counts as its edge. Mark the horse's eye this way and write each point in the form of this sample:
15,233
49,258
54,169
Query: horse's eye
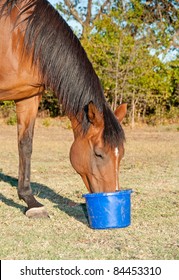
98,152
98,155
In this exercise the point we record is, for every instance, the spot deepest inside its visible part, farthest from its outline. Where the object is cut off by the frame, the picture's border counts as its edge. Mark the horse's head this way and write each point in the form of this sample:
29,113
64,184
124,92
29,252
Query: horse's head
96,161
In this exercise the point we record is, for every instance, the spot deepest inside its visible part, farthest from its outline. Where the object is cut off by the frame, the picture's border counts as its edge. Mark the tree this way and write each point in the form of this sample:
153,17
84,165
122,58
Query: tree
120,38
159,17
86,14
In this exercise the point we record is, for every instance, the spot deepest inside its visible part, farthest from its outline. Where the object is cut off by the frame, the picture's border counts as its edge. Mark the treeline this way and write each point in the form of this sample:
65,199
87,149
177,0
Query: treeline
134,48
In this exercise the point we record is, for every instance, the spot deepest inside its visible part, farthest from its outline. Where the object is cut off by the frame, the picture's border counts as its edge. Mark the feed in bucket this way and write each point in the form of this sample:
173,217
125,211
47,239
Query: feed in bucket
109,210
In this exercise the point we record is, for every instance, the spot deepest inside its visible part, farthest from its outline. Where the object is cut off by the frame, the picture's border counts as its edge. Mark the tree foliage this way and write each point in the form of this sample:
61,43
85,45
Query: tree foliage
84,13
128,42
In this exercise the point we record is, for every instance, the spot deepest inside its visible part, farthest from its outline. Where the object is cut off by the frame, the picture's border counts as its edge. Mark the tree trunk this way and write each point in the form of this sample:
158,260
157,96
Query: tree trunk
116,78
133,110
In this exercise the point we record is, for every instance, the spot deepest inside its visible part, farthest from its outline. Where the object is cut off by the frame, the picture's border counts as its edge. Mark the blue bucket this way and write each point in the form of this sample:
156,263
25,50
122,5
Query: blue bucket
109,210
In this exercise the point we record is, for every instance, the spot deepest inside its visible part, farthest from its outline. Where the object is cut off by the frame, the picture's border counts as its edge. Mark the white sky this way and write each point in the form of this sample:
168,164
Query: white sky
53,1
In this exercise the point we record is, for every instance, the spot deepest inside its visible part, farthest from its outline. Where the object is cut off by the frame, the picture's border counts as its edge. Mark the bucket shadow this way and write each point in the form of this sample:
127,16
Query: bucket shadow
68,206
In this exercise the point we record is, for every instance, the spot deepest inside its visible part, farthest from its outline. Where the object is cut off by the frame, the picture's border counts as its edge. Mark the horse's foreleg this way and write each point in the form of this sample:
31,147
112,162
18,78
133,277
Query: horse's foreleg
26,114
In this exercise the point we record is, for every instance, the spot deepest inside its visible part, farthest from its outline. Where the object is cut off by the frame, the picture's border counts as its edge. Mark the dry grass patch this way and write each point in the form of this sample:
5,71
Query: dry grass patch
150,168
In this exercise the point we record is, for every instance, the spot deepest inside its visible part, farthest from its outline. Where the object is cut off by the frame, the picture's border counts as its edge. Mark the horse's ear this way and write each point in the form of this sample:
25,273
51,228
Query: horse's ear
121,111
93,114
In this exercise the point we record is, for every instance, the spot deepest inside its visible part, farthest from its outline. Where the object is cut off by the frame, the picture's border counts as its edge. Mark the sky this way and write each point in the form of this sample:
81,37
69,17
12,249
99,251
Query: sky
53,2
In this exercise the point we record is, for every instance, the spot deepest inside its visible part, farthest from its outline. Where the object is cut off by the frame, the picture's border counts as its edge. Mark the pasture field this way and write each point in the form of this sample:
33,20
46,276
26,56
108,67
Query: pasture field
150,168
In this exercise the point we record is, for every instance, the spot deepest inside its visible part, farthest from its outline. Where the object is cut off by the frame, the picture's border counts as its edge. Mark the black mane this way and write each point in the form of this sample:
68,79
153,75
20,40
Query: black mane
63,63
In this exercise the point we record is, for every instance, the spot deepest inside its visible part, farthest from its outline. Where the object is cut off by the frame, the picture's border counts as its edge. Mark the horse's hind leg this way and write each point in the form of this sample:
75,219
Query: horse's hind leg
26,114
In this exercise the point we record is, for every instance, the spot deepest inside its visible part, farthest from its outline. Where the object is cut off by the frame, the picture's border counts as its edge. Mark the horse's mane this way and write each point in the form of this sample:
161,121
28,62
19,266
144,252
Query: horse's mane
63,63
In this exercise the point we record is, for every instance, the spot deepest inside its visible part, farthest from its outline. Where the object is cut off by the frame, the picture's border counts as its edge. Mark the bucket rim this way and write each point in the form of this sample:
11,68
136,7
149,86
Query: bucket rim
102,194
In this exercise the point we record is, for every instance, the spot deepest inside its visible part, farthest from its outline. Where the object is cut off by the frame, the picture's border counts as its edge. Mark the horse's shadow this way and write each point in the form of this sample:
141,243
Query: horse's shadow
75,210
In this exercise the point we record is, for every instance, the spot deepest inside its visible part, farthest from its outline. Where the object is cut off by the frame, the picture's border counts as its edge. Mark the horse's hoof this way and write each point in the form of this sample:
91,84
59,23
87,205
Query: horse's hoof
37,212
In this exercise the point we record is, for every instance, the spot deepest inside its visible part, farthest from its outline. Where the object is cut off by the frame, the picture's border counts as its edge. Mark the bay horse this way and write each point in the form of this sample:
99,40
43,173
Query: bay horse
39,51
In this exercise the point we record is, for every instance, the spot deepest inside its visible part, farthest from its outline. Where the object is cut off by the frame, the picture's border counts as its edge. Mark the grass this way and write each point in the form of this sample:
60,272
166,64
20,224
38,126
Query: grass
150,168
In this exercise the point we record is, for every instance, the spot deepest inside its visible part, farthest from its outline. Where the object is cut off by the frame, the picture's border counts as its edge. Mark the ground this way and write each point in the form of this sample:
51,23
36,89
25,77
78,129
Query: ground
150,168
